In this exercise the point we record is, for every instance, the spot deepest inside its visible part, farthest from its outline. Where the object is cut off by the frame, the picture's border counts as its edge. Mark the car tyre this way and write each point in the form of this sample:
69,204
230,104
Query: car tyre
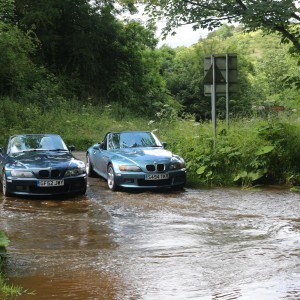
179,187
89,167
111,178
4,185
83,192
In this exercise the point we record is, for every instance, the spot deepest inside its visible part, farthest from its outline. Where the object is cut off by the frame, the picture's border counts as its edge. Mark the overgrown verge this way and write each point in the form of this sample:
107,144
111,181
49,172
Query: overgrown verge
6,290
252,151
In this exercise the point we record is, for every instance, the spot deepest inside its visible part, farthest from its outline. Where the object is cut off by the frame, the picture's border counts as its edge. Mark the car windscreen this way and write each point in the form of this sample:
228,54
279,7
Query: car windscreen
132,139
36,142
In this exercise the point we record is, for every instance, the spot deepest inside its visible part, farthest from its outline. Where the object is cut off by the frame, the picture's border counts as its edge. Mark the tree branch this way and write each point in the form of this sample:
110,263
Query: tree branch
289,36
241,4
295,16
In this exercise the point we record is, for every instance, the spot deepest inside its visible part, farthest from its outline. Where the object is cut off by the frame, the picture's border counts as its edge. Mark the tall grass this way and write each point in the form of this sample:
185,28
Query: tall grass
255,150
6,290
9,291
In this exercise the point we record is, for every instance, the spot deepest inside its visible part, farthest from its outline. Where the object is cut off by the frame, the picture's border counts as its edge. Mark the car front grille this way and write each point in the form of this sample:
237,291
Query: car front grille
49,173
153,168
164,182
67,188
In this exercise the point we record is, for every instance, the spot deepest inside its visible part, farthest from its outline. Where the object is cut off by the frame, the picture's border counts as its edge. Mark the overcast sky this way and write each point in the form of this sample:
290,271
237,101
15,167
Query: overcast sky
185,36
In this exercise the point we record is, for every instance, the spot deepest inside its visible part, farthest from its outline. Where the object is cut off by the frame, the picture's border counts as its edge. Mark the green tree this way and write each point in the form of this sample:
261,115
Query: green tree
183,70
16,47
268,15
106,59
7,11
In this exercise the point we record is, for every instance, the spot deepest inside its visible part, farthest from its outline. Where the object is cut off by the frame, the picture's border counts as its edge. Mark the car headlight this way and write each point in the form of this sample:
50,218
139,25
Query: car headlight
75,172
130,168
177,165
21,174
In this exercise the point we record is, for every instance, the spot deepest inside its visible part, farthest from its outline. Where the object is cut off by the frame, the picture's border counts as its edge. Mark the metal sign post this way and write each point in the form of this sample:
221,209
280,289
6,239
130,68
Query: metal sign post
227,91
213,99
220,79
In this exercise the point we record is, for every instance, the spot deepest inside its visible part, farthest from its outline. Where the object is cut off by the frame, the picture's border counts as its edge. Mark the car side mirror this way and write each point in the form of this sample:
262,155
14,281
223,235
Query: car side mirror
1,150
101,145
71,148
164,144
97,147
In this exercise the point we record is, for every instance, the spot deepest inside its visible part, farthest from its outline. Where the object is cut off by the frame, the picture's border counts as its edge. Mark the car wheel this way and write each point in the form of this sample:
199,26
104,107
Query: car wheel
83,192
179,187
4,185
89,167
111,178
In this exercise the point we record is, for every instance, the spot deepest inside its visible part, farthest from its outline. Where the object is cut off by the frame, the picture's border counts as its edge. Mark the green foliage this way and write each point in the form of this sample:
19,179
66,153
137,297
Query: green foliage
15,64
67,65
9,291
270,16
183,70
3,244
59,50
252,151
94,54
6,10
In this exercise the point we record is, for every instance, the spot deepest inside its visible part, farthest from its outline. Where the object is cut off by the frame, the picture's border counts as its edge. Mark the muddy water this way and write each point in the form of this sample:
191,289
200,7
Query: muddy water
196,244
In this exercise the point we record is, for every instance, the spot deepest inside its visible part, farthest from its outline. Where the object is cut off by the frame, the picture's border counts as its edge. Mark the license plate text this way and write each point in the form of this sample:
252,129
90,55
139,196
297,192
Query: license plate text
156,176
49,183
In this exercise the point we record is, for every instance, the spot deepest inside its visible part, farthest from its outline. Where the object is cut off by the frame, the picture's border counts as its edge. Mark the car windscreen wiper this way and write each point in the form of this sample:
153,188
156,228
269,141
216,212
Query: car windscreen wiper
32,150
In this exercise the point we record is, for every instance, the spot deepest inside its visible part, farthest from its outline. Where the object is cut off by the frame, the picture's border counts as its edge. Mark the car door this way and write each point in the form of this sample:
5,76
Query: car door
3,159
102,156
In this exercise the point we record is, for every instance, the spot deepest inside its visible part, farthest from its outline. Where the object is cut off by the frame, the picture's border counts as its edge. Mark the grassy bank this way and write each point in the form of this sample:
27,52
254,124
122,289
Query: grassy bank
256,150
6,290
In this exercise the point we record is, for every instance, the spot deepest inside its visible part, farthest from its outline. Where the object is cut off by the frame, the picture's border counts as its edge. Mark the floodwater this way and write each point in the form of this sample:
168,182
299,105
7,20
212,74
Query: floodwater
195,244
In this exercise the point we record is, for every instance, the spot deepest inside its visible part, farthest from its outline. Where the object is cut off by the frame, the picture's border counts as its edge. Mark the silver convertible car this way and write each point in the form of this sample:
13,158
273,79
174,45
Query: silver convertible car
135,159
40,164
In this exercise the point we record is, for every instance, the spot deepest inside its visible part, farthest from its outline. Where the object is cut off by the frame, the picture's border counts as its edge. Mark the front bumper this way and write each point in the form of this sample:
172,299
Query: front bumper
29,186
137,180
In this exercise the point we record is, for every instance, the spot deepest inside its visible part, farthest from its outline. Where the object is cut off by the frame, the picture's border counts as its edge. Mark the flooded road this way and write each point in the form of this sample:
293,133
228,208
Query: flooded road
195,244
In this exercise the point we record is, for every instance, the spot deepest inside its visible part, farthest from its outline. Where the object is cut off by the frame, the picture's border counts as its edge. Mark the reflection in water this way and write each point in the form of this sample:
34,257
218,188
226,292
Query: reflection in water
198,244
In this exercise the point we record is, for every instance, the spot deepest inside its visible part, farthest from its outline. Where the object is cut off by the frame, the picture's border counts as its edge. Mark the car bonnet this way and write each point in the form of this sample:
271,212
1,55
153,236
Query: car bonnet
144,155
43,159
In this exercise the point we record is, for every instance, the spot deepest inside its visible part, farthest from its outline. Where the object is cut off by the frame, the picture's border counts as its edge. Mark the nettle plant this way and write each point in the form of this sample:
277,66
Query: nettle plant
257,167
244,158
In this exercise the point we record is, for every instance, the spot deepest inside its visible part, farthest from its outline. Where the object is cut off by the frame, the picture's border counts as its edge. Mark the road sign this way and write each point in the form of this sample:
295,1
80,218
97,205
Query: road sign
225,68
219,77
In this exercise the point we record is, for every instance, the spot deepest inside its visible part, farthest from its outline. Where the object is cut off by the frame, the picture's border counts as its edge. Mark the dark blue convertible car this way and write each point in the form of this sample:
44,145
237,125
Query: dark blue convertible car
135,159
40,164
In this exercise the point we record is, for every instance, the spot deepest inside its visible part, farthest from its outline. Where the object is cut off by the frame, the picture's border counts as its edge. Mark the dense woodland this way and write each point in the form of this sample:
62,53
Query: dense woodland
75,50
80,68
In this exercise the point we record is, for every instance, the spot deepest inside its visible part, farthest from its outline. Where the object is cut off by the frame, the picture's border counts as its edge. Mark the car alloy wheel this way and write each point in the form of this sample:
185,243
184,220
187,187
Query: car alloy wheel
89,168
4,185
111,178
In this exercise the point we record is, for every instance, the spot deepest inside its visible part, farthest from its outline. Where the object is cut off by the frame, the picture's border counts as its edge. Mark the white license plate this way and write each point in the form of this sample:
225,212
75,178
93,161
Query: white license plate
156,176
47,183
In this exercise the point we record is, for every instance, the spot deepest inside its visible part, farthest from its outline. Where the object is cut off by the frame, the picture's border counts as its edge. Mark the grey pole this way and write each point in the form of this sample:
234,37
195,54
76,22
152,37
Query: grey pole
227,91
213,99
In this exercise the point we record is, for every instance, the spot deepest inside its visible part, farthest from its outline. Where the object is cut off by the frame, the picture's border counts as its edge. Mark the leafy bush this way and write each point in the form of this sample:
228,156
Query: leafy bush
3,244
251,151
